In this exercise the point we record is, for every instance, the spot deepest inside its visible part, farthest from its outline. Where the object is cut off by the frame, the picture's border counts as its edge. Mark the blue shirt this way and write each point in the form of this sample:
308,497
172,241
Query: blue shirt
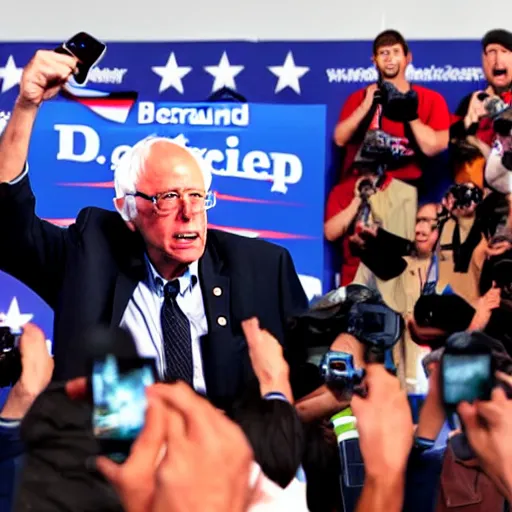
142,318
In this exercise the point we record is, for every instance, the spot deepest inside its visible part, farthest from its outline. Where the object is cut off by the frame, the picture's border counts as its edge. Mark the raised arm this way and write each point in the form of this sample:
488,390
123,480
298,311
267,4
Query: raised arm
33,250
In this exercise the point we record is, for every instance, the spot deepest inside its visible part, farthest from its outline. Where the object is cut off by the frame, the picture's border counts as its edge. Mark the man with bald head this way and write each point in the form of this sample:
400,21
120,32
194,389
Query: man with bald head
152,267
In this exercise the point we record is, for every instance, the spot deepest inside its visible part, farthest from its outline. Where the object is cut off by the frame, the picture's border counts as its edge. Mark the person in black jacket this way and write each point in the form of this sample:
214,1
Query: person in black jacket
152,267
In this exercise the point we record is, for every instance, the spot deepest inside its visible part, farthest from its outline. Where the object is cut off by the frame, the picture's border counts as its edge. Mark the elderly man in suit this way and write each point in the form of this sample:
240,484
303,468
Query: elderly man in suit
152,267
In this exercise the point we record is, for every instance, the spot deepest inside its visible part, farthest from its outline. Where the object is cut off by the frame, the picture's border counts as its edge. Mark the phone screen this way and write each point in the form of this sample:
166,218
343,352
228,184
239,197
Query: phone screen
466,377
119,400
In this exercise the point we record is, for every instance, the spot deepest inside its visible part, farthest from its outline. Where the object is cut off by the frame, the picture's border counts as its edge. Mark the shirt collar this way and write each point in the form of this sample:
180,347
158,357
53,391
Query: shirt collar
187,281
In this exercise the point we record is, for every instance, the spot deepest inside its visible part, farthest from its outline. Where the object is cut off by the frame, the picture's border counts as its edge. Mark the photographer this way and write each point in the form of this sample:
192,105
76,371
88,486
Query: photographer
417,116
472,133
370,196
36,372
460,235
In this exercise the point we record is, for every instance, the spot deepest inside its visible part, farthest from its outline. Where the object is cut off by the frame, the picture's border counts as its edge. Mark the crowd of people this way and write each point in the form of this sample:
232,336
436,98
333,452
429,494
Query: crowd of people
408,408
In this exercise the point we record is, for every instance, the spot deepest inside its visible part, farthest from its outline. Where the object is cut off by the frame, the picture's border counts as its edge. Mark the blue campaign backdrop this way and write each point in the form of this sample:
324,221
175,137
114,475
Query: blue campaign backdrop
272,174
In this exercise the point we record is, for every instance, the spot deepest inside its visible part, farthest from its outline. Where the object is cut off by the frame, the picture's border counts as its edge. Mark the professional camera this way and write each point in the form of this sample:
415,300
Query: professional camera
355,310
366,188
494,106
398,106
337,369
447,313
383,148
469,362
465,195
10,358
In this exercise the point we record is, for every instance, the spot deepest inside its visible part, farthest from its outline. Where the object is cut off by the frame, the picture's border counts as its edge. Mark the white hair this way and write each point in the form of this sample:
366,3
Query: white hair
132,163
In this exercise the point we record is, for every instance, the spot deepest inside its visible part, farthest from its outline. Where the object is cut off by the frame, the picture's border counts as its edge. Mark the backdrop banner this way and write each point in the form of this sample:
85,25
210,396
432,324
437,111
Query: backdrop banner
266,161
273,158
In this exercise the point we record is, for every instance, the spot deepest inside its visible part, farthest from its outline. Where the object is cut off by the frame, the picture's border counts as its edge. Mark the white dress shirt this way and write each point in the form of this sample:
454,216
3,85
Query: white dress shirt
142,318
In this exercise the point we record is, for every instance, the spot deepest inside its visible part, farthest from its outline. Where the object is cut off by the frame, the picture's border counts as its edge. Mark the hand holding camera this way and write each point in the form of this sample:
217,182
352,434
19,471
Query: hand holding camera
372,93
36,372
488,427
383,420
476,109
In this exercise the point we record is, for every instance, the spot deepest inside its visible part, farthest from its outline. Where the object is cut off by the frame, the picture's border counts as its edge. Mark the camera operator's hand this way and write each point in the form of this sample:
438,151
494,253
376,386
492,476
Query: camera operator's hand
476,110
208,460
189,457
497,248
383,420
44,76
432,414
485,306
36,373
369,97
267,360
134,480
448,202
370,190
362,234
488,428
384,423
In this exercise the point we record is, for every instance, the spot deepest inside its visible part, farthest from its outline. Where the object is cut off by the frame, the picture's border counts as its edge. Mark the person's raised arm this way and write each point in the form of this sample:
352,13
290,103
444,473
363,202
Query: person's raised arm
42,79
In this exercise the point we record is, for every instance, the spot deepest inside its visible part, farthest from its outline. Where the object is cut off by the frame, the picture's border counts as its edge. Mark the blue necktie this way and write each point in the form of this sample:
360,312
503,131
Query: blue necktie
177,338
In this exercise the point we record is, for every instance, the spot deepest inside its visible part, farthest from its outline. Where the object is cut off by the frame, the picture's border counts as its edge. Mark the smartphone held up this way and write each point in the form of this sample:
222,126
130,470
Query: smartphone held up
119,401
87,50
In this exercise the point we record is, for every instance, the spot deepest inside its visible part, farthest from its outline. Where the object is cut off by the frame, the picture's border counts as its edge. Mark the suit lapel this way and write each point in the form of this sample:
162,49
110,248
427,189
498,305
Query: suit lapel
129,275
216,347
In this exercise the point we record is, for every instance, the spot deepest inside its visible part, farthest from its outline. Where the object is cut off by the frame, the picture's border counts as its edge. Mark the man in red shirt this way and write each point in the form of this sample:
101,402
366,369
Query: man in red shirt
419,124
423,126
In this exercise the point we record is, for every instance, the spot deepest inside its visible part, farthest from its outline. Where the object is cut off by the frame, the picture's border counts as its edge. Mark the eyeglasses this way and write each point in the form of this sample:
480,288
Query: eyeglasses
431,222
167,202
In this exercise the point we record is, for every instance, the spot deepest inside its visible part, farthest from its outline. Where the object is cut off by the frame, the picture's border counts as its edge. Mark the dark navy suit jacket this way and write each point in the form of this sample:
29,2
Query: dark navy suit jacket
87,274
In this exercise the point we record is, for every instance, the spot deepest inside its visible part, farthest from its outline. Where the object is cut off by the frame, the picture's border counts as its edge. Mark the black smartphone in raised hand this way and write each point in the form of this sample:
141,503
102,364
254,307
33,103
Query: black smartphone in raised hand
87,50
466,377
119,401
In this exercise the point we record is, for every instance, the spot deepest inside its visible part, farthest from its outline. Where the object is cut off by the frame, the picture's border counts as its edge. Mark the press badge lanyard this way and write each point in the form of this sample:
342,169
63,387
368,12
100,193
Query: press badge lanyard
429,288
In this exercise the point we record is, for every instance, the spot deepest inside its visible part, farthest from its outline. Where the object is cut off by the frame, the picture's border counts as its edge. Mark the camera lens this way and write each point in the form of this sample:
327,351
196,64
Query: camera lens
338,366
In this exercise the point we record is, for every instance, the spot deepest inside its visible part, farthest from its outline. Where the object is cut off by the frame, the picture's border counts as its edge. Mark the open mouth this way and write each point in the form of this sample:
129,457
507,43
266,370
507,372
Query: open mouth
186,236
499,72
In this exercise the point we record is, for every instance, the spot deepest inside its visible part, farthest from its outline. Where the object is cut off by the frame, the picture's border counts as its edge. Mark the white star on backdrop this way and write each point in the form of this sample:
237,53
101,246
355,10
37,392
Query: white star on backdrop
10,74
14,319
224,73
171,74
288,74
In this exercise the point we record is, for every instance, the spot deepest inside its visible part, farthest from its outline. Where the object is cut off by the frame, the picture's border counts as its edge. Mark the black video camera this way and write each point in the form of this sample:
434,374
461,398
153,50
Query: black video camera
10,358
355,310
465,195
337,369
468,365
